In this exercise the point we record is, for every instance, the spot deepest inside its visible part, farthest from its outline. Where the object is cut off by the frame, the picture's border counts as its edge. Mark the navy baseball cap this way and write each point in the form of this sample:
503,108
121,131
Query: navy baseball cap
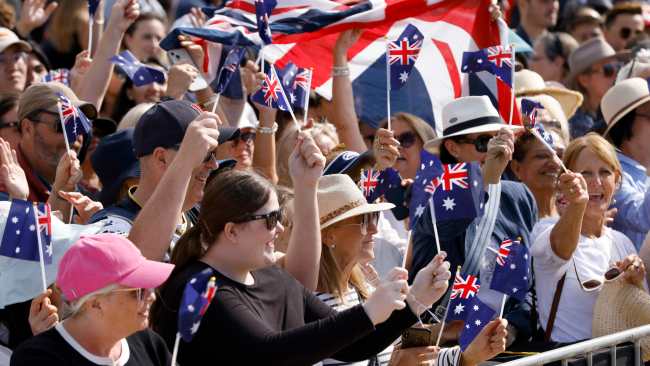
114,162
347,161
163,125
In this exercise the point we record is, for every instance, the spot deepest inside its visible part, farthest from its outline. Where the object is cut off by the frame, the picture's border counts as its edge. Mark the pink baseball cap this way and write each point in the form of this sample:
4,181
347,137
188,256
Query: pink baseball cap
97,261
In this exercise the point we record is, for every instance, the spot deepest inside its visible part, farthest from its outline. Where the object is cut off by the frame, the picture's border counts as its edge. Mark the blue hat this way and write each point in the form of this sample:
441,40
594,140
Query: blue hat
347,161
114,161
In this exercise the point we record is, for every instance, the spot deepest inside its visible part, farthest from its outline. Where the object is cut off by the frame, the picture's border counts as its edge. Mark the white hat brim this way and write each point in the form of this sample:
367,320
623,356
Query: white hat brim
623,112
433,145
360,210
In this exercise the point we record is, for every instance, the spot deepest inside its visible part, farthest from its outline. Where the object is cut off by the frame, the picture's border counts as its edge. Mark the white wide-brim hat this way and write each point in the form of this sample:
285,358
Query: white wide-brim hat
467,115
623,98
339,199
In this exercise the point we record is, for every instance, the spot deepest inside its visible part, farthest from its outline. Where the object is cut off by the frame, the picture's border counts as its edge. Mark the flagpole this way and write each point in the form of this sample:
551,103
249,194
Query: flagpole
176,344
65,135
41,259
408,245
503,305
444,319
91,22
388,82
284,95
260,59
435,226
304,117
512,79
216,101
535,133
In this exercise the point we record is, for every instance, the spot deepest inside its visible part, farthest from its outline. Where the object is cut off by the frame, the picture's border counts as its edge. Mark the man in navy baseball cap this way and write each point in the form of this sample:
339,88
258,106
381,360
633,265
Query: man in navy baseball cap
168,131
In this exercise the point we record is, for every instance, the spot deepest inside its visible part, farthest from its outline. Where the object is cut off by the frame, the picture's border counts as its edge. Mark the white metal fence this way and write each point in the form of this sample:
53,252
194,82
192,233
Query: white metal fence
587,348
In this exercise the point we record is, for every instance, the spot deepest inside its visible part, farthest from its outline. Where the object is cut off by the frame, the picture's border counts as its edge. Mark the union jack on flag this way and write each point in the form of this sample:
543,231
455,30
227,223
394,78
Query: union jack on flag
74,121
504,251
59,75
368,181
454,175
500,55
271,93
464,288
402,55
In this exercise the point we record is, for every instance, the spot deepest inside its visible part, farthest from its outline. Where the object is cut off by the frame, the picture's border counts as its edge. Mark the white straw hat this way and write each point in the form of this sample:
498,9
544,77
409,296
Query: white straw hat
623,98
339,199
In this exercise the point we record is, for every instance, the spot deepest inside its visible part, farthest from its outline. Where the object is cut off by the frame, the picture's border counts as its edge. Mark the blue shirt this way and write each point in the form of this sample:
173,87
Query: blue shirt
632,201
583,122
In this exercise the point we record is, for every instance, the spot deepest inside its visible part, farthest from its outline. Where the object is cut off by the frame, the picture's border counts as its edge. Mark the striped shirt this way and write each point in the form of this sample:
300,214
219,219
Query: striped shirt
350,299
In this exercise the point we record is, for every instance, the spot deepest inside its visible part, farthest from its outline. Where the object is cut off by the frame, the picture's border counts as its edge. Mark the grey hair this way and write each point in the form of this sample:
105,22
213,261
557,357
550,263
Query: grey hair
73,308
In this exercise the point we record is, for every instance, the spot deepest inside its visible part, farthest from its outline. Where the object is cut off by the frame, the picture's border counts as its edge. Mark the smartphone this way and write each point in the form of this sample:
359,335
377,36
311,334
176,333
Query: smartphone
417,337
180,56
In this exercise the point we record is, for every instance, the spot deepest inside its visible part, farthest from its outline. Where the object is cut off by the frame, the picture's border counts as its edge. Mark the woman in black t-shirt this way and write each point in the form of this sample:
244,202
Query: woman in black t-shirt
107,285
260,314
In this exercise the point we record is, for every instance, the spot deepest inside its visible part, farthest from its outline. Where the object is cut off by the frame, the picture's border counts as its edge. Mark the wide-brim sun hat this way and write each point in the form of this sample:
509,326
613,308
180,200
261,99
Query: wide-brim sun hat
468,115
621,306
623,98
339,199
529,83
590,53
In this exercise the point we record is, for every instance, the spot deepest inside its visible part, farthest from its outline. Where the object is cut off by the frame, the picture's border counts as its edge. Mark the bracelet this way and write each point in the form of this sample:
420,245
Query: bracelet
268,130
340,71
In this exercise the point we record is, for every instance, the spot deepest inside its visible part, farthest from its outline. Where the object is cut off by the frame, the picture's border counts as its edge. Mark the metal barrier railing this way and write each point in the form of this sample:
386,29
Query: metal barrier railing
587,348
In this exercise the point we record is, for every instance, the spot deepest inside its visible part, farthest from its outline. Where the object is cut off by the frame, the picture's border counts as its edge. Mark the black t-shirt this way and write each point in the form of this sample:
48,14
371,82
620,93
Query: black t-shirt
145,348
276,321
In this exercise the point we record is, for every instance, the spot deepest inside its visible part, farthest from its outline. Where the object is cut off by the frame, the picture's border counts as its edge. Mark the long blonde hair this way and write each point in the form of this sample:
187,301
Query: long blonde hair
66,20
330,276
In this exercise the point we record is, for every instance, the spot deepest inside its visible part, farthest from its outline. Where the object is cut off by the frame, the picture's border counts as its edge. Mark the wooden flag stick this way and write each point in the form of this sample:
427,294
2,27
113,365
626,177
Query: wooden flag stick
177,343
41,258
388,83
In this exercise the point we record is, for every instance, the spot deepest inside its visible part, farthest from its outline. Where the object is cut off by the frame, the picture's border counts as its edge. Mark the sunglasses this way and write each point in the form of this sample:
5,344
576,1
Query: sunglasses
596,284
406,140
246,137
609,70
140,293
272,218
626,32
366,220
57,121
480,143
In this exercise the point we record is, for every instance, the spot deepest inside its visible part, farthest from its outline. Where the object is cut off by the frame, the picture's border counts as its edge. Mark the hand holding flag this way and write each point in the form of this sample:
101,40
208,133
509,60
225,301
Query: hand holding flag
512,271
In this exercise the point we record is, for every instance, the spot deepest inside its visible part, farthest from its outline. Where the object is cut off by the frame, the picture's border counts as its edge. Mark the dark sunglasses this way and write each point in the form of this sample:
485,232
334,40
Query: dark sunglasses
57,121
272,218
246,137
406,140
480,143
626,32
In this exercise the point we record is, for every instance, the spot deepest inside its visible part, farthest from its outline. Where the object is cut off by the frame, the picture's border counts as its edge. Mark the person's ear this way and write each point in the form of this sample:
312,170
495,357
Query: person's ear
160,158
452,147
230,232
26,127
329,238
583,79
516,166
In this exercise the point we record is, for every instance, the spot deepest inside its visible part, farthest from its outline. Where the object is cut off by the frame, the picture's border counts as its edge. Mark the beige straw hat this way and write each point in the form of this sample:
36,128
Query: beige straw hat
622,306
529,83
623,98
339,199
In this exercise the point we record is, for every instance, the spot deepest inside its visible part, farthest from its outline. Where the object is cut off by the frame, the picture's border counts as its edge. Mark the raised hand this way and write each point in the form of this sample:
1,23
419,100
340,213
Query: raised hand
33,14
252,78
346,40
430,284
306,162
81,65
194,49
197,17
489,343
42,314
68,173
573,188
633,269
385,149
499,154
180,78
83,204
11,174
388,296
123,14
201,138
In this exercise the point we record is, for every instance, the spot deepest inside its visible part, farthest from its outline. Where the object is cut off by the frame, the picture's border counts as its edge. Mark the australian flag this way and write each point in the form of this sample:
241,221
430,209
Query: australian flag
263,10
402,55
530,109
23,225
139,73
477,317
490,73
424,185
198,294
297,84
74,120
512,270
59,75
463,291
374,183
271,93
229,68
545,136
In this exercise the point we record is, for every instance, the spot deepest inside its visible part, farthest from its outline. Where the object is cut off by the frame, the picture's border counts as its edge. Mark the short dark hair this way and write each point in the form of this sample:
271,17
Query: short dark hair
8,101
445,155
632,8
622,130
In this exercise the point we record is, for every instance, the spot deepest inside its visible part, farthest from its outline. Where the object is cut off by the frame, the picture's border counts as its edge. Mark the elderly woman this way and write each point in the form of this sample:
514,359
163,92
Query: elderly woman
108,288
573,254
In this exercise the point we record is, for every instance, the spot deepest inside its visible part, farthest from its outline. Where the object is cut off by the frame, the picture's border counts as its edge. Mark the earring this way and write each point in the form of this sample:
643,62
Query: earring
332,246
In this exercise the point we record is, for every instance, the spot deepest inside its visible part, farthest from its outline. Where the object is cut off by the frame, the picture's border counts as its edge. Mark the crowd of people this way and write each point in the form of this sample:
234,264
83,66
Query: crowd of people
173,182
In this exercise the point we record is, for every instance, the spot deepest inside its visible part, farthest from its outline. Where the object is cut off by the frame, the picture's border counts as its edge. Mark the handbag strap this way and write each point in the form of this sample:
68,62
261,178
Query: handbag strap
554,306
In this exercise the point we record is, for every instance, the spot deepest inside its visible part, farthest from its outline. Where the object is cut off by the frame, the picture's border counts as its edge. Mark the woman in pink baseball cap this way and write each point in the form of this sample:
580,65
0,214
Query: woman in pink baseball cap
108,287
